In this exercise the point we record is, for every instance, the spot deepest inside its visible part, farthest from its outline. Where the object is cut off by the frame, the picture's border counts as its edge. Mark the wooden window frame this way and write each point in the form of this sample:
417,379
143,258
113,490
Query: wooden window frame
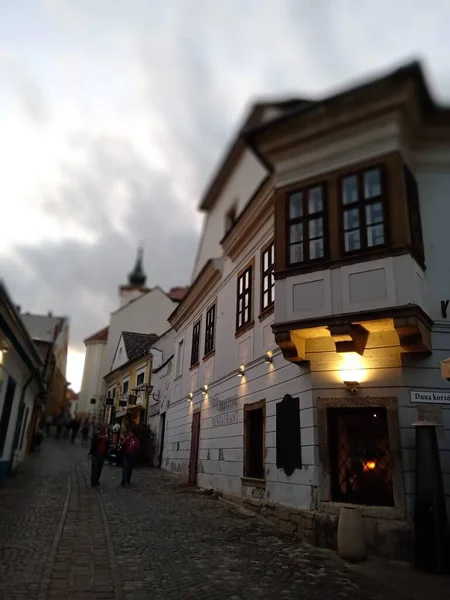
247,479
249,323
195,345
304,221
269,272
210,330
137,376
361,205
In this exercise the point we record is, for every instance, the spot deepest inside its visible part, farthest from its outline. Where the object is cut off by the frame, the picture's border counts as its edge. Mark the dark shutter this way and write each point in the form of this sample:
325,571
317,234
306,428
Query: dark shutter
289,450
415,223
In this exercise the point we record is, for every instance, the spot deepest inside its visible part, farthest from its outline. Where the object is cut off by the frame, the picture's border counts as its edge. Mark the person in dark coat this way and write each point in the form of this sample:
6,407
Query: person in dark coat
99,450
131,447
75,426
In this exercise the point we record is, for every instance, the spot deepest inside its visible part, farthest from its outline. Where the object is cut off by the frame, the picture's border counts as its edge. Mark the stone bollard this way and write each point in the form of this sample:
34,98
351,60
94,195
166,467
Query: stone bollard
351,537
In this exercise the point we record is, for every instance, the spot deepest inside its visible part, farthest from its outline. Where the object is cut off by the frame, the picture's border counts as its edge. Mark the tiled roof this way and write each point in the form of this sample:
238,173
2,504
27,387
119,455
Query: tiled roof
137,343
41,327
99,336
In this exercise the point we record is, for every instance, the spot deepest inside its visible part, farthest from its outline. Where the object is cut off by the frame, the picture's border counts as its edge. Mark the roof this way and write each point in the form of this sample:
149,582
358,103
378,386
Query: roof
137,343
238,145
42,327
178,293
99,336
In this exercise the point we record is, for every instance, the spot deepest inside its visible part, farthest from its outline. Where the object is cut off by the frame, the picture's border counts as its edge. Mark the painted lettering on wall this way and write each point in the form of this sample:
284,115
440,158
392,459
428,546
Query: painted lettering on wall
222,404
226,419
430,397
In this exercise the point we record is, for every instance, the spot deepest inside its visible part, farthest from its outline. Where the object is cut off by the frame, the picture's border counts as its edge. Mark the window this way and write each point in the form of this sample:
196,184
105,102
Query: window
230,219
267,278
254,443
140,378
360,457
306,225
244,298
209,329
363,210
125,388
180,355
195,344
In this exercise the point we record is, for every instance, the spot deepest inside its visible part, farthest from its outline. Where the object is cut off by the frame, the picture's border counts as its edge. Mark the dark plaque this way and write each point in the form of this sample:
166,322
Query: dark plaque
289,450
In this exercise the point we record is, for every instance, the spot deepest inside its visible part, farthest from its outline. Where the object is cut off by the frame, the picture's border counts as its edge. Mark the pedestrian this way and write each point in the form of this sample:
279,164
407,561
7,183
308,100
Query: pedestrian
75,426
131,448
98,451
85,432
48,424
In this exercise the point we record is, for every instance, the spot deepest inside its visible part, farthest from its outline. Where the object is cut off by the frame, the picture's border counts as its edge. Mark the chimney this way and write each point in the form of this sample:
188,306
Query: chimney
50,314
18,307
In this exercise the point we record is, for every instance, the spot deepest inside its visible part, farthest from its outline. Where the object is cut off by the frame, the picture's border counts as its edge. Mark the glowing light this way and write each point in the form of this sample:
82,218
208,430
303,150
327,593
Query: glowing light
241,371
369,465
352,367
268,358
205,389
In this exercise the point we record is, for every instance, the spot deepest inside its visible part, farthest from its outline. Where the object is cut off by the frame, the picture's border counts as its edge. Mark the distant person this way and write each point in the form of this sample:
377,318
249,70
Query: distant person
75,426
85,432
97,453
48,425
131,447
59,425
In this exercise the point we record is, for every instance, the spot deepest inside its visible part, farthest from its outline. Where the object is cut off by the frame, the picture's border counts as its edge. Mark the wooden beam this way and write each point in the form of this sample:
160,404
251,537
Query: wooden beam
413,334
349,337
292,345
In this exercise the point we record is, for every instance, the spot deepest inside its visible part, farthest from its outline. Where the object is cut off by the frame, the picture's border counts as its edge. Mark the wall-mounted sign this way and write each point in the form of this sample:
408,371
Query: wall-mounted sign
224,403
433,413
430,397
226,419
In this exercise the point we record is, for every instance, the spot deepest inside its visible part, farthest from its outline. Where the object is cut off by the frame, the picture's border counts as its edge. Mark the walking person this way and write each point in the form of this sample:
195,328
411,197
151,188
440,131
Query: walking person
131,447
97,453
75,426
85,432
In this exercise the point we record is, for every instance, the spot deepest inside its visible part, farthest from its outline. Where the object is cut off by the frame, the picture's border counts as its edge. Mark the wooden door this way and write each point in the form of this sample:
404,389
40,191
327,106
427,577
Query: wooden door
195,439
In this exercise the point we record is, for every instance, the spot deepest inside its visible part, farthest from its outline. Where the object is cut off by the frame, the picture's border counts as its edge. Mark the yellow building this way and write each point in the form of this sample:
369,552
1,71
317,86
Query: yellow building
128,382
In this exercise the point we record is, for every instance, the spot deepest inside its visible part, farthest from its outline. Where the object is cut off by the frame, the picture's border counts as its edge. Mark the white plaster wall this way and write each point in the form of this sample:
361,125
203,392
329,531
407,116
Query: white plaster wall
147,314
127,295
241,185
92,381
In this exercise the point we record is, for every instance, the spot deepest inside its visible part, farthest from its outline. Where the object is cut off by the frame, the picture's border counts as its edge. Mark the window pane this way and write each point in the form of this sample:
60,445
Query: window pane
296,234
375,235
265,261
372,183
296,253
316,228
265,299
272,254
316,249
352,241
240,305
374,213
350,189
241,285
247,276
315,200
351,219
296,205
266,283
246,315
239,320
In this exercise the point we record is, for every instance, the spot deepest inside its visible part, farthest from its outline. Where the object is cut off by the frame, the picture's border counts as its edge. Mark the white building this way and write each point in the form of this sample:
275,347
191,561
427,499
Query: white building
353,189
22,392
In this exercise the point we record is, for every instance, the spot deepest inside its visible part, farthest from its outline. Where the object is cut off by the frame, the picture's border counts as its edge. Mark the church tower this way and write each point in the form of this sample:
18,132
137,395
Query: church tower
136,281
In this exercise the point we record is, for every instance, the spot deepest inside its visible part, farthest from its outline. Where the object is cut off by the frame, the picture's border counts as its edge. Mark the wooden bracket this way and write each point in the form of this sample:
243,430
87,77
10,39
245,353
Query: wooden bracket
413,334
348,337
292,346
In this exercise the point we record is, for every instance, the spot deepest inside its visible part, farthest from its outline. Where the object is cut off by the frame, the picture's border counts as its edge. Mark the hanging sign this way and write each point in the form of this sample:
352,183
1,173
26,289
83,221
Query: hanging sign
433,413
430,397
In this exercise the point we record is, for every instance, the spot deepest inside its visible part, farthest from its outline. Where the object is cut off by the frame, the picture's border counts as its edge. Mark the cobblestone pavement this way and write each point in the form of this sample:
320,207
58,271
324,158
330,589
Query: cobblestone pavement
59,538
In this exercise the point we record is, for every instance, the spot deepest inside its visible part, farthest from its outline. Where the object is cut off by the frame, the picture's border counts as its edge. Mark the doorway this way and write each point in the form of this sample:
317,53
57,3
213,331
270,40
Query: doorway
6,413
195,439
162,426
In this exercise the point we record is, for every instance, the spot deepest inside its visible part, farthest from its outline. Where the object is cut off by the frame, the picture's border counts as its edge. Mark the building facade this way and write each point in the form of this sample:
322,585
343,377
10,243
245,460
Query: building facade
300,395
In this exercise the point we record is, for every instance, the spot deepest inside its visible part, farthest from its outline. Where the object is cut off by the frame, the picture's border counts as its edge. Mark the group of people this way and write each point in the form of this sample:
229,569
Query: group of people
69,426
127,445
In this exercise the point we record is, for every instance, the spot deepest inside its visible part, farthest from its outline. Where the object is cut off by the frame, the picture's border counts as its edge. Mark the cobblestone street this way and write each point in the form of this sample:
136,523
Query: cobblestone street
59,538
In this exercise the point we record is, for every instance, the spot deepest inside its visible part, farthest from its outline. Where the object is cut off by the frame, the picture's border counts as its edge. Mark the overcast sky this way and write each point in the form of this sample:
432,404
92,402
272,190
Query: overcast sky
114,112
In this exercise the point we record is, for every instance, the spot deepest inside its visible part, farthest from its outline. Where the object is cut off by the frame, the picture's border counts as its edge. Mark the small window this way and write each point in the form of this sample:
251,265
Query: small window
267,277
254,443
306,225
195,344
230,219
363,210
140,379
125,388
360,456
210,329
180,355
244,298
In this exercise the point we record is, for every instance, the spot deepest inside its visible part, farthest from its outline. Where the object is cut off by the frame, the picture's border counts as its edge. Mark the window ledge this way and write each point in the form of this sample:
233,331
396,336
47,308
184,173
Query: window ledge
209,355
244,329
253,482
266,312
194,366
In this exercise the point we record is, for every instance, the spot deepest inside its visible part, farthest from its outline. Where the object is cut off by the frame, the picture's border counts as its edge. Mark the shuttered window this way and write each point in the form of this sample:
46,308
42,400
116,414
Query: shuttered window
289,450
209,329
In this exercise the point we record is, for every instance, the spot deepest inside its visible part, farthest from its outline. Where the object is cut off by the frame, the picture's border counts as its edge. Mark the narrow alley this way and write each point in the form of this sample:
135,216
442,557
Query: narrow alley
59,538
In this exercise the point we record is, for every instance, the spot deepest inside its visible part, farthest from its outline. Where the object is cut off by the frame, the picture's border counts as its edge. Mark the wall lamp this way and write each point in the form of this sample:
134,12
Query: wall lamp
241,371
190,396
352,387
268,358
205,389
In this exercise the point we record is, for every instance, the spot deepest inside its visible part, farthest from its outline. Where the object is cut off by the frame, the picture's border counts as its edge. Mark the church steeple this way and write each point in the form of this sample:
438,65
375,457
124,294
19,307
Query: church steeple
137,277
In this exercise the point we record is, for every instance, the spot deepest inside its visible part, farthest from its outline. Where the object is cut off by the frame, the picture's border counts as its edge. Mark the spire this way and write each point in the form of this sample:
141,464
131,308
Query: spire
137,277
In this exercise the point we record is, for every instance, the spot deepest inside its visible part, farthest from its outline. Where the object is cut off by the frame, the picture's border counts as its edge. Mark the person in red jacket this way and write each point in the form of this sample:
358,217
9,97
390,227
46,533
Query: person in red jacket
131,448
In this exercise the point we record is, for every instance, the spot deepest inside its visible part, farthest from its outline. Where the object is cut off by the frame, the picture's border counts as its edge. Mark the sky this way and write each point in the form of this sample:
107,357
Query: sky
114,113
